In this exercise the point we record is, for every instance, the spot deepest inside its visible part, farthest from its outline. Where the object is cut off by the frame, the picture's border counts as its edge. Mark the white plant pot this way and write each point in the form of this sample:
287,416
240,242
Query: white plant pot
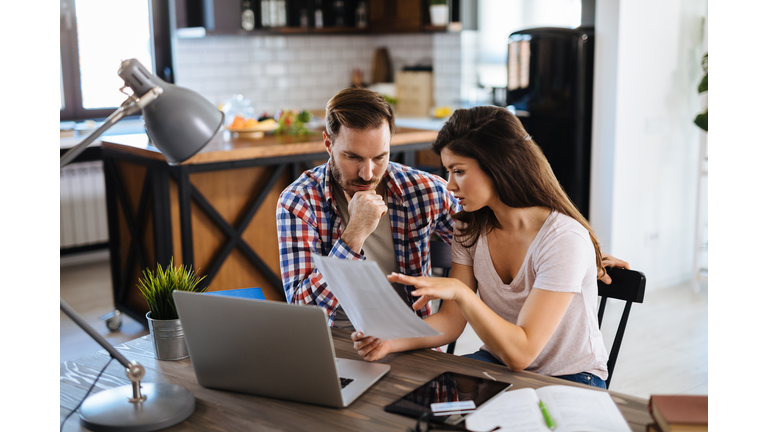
439,15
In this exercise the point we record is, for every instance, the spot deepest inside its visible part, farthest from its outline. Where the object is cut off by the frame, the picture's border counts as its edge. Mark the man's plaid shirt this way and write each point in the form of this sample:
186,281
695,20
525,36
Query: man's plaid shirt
309,222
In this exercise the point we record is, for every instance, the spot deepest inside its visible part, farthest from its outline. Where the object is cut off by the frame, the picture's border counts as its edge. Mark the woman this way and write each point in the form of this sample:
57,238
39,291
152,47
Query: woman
523,246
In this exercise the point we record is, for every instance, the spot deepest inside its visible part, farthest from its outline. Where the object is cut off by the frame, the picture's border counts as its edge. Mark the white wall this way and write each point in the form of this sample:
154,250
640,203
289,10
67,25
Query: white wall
277,72
645,145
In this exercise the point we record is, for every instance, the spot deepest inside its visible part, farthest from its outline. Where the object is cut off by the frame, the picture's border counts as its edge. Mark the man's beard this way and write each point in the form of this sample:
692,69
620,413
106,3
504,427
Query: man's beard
349,185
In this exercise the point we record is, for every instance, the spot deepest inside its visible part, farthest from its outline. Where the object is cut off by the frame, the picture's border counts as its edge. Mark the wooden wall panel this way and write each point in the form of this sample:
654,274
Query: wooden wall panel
208,239
261,233
231,193
132,179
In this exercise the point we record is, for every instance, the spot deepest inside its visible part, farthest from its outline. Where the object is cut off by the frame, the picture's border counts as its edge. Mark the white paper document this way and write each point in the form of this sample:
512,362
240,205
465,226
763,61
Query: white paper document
369,300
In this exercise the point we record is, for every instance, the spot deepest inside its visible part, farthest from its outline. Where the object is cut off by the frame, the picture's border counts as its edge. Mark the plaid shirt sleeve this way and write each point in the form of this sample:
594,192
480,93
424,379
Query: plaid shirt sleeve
300,234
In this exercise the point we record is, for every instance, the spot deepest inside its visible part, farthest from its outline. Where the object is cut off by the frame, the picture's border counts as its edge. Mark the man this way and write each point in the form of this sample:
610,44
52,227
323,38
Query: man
359,205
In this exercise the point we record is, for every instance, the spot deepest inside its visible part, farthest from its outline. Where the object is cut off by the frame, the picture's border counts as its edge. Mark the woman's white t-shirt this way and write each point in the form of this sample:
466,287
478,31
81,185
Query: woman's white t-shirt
561,258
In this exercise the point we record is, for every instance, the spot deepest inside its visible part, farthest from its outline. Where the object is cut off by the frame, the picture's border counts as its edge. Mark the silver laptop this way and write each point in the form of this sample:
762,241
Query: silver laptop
270,349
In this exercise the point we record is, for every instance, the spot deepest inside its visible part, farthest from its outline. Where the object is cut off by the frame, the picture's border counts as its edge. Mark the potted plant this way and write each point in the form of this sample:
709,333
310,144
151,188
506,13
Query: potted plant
438,12
157,288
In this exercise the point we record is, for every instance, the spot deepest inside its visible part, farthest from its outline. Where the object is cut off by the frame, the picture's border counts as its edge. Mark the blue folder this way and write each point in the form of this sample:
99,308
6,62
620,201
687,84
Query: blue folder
250,293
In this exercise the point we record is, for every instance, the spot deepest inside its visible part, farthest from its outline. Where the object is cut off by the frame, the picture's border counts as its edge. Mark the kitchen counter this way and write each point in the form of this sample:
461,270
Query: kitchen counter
226,146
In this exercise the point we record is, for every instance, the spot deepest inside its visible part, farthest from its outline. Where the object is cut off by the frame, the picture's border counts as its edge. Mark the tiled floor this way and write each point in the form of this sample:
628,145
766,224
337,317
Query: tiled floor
664,350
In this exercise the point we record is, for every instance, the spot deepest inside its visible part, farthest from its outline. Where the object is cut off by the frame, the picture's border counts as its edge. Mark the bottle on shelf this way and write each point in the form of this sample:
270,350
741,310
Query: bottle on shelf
247,16
279,17
303,18
338,7
318,14
265,15
361,15
273,13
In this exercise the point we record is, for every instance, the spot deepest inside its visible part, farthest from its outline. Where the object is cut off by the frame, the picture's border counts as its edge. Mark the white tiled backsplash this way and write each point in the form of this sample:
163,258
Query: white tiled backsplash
277,72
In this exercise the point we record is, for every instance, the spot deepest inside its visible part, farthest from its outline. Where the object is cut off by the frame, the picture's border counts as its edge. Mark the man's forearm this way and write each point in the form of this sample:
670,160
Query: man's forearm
353,239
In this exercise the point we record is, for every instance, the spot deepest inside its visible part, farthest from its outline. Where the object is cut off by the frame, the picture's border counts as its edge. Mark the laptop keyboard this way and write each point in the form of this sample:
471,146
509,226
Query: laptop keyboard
345,381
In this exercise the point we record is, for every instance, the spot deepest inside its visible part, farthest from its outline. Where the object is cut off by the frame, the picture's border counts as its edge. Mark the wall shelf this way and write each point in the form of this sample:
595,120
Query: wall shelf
200,18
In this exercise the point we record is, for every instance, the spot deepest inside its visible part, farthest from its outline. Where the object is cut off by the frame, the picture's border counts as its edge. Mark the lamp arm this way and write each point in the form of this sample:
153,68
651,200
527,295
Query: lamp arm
67,309
133,370
131,106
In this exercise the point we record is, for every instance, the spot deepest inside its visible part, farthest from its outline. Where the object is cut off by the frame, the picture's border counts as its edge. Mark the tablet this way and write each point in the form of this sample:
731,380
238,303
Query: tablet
449,397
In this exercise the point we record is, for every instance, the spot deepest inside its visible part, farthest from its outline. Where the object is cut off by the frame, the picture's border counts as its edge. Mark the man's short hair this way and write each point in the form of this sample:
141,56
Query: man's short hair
357,108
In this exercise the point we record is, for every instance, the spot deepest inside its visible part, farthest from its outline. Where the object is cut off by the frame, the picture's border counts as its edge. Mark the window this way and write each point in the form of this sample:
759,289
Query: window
497,19
96,35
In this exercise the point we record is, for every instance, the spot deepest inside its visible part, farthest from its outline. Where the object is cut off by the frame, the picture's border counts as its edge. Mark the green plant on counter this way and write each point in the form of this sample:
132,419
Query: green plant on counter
157,288
701,120
437,2
291,122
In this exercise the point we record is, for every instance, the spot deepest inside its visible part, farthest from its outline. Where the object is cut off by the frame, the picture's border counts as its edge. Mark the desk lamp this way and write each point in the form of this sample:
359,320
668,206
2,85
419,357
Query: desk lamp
179,123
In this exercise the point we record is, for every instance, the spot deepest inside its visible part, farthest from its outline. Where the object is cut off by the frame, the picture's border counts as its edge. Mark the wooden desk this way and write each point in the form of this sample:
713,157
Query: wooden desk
227,411
215,212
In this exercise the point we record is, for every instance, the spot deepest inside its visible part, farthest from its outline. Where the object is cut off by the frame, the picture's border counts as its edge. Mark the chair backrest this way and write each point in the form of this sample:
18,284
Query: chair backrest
440,257
627,285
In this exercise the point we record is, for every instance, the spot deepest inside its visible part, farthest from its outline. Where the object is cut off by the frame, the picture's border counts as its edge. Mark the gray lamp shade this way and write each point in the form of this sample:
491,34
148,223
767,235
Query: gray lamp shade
180,122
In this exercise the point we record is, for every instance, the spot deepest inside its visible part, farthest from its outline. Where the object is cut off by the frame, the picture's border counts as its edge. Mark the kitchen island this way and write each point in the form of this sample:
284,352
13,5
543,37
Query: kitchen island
216,211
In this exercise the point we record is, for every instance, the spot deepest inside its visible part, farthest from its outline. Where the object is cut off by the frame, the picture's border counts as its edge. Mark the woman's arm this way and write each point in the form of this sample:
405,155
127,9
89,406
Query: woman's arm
517,345
448,320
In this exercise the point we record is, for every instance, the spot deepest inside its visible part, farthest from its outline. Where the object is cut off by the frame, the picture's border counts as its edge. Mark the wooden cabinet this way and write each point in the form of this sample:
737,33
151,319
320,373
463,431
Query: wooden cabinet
215,16
395,16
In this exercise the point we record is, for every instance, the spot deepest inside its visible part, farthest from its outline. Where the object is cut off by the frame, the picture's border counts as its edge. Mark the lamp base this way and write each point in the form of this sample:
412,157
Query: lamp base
110,410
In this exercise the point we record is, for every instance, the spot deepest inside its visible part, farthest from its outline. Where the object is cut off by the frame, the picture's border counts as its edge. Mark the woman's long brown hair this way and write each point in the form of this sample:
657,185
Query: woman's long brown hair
521,174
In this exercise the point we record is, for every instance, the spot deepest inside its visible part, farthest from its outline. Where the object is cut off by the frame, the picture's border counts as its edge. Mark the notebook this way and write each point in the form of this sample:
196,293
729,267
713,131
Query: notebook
252,293
270,349
556,407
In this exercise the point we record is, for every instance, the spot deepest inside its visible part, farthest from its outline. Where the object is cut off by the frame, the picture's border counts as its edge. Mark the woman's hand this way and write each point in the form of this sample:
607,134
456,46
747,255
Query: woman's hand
370,348
612,261
430,288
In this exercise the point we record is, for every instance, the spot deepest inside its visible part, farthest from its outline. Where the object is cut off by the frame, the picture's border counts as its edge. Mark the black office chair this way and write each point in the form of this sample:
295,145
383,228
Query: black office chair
627,285
440,257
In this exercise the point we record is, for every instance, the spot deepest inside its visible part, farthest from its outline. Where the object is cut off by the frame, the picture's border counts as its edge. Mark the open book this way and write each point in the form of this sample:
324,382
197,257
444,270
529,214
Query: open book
570,408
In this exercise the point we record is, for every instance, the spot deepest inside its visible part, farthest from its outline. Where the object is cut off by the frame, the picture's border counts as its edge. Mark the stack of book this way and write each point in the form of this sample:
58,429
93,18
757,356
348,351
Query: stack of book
678,413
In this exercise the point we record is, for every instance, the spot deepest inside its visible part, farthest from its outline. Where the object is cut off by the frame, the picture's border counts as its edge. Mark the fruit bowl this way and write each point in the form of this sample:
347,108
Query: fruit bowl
255,131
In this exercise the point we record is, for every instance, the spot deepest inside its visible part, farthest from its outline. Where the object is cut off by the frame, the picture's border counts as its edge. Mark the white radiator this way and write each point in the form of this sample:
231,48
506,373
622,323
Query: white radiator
83,205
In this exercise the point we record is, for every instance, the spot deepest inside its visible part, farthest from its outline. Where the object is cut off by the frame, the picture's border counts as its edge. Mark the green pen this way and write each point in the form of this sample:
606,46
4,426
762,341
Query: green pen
547,418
